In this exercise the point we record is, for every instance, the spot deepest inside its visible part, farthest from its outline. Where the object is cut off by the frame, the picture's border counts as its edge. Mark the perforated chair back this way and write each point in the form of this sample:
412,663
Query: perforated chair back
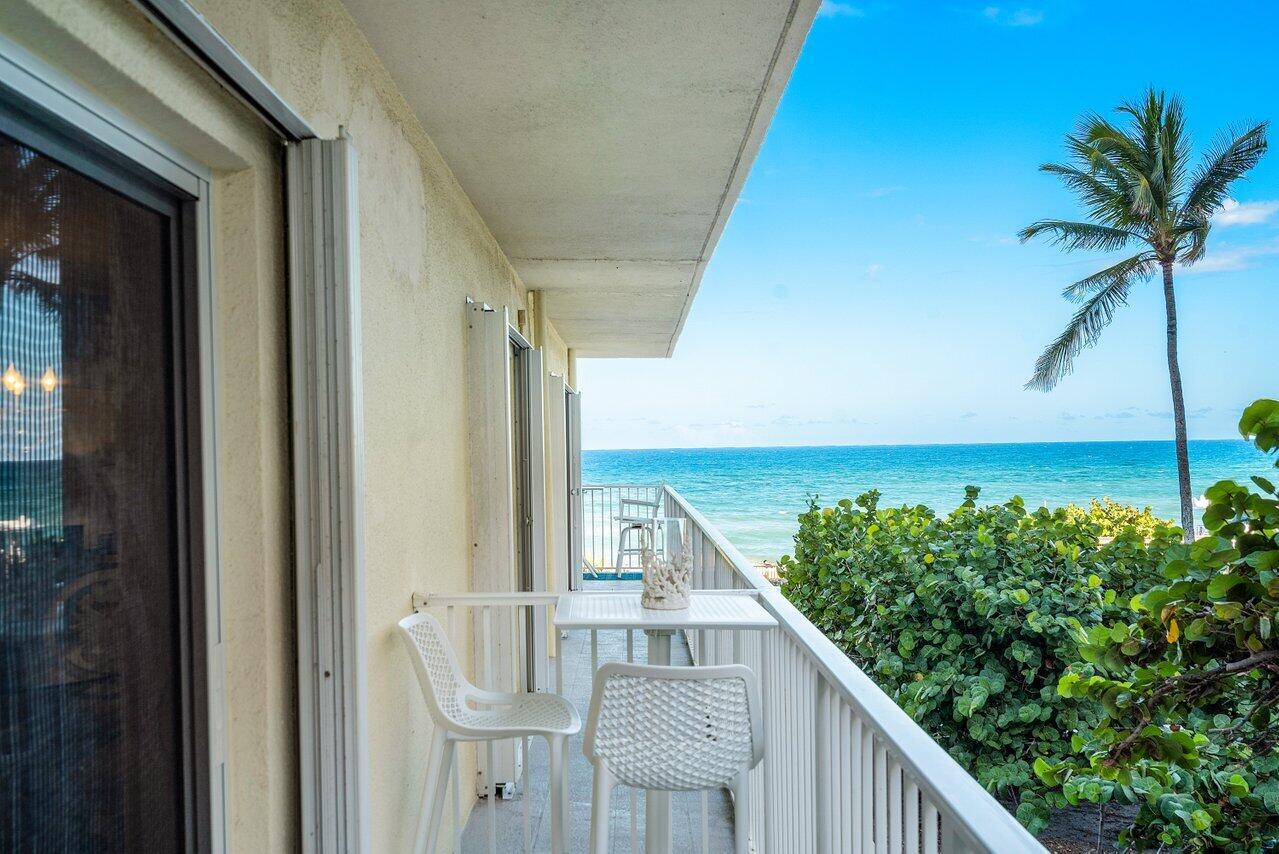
675,728
443,685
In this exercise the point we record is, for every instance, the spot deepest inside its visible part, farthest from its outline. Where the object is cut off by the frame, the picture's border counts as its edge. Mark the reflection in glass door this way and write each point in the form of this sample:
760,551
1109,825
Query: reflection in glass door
98,617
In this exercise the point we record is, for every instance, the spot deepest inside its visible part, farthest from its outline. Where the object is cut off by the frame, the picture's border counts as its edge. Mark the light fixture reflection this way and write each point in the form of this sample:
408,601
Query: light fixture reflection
48,380
14,382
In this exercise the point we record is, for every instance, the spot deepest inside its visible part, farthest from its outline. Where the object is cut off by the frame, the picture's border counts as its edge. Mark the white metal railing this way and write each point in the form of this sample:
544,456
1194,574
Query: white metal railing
602,504
845,768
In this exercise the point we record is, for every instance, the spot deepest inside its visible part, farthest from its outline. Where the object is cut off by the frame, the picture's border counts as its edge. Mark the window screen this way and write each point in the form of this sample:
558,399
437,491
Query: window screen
91,720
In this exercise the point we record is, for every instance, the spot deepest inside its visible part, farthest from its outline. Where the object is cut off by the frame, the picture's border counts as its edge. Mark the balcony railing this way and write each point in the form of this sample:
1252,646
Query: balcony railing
845,769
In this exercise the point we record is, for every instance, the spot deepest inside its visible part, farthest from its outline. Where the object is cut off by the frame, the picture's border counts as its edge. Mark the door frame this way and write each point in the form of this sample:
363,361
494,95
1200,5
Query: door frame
327,397
30,84
573,453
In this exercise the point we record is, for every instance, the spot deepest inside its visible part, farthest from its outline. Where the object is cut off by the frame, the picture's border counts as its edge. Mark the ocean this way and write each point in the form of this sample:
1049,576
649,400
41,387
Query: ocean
753,495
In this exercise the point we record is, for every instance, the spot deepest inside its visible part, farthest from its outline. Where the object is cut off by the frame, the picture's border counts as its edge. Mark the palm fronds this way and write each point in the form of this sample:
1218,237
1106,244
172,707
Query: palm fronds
1229,157
1192,236
1085,327
1079,235
1105,201
1137,268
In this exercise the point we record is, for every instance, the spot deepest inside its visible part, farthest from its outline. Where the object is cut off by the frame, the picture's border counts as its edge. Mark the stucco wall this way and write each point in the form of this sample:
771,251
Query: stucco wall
423,250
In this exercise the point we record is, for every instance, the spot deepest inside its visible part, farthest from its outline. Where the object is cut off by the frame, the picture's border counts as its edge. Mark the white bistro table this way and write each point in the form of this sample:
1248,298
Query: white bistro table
622,610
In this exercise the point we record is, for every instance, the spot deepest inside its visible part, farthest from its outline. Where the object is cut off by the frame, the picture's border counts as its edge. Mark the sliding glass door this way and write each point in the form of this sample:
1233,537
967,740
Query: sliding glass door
102,726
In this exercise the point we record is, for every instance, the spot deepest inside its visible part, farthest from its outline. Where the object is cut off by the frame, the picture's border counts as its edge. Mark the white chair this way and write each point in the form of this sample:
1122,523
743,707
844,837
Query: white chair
637,517
674,729
463,712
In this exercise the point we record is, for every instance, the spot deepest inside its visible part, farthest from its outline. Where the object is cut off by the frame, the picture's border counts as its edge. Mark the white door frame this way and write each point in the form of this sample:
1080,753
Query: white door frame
573,415
328,491
557,561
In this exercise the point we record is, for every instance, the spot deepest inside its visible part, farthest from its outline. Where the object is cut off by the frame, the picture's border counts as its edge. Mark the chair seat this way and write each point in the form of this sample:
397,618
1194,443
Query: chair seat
520,714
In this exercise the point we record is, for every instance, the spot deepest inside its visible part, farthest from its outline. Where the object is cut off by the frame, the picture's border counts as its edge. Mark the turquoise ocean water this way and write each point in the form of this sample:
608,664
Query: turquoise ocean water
754,494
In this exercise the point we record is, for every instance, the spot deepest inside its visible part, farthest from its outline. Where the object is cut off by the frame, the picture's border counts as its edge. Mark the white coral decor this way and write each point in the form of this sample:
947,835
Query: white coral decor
666,581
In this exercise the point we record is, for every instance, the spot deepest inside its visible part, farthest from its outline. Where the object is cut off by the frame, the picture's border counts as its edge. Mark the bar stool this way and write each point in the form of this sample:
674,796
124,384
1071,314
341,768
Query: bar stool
637,515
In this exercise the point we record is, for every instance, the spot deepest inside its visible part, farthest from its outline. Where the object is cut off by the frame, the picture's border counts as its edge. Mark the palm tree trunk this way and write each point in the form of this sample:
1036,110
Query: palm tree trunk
1178,410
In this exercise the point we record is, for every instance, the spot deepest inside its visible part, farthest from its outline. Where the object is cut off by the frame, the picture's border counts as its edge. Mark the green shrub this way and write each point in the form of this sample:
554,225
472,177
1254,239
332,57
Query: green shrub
1112,517
1188,681
968,620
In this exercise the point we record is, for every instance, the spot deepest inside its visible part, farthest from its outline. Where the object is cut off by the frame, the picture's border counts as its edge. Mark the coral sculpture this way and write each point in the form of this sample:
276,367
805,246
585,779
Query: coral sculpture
666,580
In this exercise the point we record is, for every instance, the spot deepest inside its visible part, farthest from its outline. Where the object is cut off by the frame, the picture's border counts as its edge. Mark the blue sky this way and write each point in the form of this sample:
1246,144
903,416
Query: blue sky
869,288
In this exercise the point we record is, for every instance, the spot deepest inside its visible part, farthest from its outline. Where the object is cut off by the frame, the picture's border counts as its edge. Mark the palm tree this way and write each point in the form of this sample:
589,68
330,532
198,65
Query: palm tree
1135,184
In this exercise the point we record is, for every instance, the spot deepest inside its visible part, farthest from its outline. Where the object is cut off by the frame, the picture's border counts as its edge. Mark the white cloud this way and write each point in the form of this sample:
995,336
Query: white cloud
880,192
1229,257
874,270
1233,212
1013,17
833,9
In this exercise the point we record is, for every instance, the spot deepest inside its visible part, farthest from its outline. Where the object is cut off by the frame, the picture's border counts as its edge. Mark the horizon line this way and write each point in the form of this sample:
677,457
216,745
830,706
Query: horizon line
917,444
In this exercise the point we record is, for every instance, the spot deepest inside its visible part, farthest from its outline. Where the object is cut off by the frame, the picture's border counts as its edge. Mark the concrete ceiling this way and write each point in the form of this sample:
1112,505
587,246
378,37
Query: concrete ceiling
603,141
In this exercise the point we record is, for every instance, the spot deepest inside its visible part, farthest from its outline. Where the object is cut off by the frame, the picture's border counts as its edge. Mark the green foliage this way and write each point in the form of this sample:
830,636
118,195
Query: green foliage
1111,517
968,620
1260,423
1187,682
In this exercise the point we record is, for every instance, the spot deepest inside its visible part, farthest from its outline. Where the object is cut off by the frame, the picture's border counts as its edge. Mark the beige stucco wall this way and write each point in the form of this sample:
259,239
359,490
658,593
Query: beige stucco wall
423,249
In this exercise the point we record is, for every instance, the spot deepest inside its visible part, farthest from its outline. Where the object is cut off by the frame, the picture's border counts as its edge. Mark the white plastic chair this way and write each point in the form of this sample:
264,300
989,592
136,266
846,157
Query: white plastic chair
674,729
463,712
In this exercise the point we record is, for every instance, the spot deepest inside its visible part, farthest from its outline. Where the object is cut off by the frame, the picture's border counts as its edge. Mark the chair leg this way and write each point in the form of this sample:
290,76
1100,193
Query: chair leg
623,538
432,793
600,796
559,795
441,792
742,813
565,763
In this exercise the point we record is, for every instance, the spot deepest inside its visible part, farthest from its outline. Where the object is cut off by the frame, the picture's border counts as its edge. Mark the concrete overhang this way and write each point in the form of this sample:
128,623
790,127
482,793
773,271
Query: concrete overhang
604,143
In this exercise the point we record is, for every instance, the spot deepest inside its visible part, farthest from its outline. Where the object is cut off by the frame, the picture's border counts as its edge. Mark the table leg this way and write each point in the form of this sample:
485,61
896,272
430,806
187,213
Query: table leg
657,805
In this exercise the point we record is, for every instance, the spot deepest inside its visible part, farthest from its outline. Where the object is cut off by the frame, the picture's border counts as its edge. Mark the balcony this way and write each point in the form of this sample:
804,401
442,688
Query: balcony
845,769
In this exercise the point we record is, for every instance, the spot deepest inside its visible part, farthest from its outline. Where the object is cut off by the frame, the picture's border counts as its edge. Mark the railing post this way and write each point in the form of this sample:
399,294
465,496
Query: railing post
766,642
822,782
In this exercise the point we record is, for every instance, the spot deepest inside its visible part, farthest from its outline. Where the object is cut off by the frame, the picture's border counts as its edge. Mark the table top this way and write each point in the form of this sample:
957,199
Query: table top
622,610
